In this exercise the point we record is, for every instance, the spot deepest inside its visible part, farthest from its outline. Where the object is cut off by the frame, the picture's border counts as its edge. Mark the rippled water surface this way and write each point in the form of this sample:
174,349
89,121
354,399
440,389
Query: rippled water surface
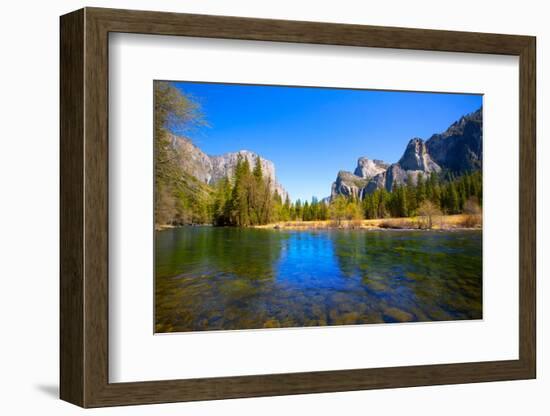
210,278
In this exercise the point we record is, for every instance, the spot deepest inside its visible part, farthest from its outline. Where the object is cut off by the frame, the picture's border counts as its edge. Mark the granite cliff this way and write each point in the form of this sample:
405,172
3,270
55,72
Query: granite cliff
210,169
458,149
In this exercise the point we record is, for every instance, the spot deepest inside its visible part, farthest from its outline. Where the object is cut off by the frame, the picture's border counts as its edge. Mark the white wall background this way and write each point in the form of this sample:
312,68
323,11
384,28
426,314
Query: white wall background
29,159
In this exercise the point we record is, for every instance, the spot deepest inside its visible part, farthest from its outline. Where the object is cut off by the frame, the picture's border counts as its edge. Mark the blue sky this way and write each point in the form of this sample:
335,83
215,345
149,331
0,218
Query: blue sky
312,133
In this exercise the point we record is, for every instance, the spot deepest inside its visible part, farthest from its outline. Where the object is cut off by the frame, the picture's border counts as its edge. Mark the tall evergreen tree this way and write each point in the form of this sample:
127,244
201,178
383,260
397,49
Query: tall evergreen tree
298,210
420,189
452,199
257,195
240,196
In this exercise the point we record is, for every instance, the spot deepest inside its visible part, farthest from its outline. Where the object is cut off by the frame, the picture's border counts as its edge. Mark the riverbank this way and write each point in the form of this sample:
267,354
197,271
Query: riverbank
443,222
161,227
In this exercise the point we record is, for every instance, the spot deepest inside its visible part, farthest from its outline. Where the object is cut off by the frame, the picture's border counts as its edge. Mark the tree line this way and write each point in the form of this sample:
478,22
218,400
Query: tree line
247,199
448,192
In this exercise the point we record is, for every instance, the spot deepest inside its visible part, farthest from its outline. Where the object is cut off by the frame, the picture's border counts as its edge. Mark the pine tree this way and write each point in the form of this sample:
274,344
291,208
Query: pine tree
298,210
452,199
314,209
292,212
383,199
402,207
462,195
436,196
407,202
240,197
323,211
269,200
286,215
257,195
220,209
368,211
420,189
306,215
277,209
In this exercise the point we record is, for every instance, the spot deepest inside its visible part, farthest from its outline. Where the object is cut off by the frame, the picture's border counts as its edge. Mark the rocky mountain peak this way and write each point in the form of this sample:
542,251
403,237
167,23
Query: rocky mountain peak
458,149
210,169
459,126
348,184
367,168
416,157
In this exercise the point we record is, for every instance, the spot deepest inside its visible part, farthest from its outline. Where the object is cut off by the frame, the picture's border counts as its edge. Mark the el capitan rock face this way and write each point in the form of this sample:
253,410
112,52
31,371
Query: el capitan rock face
224,167
210,169
458,150
193,160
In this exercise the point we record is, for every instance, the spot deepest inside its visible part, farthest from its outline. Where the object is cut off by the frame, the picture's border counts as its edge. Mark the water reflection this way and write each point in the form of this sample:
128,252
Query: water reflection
226,278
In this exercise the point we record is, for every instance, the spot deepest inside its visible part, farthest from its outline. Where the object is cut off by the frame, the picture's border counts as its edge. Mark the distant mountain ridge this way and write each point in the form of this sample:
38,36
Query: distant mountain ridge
211,169
458,149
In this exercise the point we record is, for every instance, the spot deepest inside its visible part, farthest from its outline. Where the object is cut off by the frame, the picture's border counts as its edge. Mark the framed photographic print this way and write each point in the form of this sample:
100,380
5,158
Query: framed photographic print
255,207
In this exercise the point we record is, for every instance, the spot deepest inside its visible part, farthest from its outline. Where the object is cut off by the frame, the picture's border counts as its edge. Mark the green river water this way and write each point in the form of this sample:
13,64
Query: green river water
217,278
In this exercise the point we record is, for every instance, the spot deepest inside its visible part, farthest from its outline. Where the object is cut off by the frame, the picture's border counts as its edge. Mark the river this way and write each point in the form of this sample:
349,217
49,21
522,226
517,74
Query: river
222,278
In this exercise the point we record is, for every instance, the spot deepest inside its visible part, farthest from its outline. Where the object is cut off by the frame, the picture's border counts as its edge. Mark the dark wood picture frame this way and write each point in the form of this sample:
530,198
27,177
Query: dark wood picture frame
84,207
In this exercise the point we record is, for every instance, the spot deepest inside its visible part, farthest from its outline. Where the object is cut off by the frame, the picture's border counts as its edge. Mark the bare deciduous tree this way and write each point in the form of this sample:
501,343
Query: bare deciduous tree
428,211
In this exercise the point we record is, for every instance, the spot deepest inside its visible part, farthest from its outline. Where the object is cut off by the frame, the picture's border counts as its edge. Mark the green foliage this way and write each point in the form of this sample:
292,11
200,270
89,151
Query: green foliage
447,193
221,210
428,211
179,197
247,199
337,209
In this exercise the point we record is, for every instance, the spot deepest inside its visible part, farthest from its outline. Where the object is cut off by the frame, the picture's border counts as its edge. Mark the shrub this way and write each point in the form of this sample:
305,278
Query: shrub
428,212
471,207
470,221
473,217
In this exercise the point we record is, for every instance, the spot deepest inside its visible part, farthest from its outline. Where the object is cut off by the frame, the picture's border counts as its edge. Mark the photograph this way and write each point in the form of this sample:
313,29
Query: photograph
312,206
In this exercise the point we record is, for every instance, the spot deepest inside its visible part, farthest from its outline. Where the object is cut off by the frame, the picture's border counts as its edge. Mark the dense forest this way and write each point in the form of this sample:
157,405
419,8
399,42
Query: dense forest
449,193
247,199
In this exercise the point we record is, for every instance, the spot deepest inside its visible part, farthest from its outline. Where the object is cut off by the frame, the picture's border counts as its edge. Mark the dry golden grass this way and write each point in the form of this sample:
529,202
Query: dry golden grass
442,222
470,221
400,223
